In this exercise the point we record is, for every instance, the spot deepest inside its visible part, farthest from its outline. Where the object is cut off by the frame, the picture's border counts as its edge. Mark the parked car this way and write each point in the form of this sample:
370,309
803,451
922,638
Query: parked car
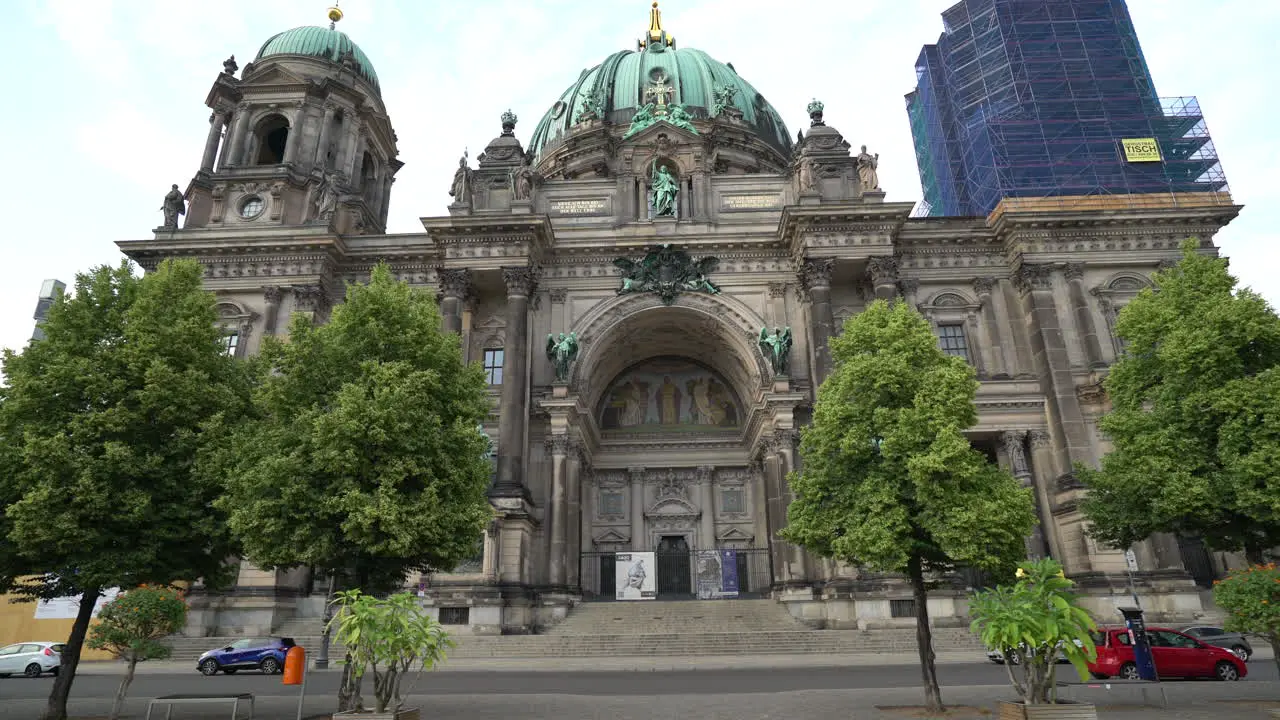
1175,655
32,659
1235,642
997,657
256,653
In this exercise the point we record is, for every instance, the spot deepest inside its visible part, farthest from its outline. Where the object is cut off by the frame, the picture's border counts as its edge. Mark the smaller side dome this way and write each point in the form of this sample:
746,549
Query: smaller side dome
319,42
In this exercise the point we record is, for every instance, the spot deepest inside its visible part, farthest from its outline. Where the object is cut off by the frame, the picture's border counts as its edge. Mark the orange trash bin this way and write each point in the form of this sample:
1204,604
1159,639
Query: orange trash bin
295,665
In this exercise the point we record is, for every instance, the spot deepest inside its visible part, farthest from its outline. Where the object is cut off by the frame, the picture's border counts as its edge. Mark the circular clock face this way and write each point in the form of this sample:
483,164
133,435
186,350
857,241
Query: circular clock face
251,207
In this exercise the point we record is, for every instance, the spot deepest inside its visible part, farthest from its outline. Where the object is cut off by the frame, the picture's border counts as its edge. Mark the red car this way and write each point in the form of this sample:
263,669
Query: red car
1175,655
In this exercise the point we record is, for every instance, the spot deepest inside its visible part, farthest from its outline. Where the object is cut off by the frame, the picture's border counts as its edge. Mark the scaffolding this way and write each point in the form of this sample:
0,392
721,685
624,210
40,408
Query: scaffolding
1033,98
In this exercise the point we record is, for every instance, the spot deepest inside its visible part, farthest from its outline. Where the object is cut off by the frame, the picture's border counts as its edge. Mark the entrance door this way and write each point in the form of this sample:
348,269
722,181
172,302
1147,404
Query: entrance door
674,566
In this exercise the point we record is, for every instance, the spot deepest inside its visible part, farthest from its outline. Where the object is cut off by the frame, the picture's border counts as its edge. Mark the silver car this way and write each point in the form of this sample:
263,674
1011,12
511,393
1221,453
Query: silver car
1216,636
32,659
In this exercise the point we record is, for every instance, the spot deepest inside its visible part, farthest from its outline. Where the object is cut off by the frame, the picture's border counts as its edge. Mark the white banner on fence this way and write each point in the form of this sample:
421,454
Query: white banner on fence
66,608
635,576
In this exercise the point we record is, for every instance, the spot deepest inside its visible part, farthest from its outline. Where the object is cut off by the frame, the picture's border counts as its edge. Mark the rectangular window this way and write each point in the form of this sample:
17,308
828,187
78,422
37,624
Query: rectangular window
733,500
231,343
611,503
902,608
951,339
455,616
493,365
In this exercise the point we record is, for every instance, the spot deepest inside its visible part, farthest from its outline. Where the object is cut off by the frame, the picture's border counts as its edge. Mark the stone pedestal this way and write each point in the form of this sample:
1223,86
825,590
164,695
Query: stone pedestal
810,197
873,196
463,208
521,207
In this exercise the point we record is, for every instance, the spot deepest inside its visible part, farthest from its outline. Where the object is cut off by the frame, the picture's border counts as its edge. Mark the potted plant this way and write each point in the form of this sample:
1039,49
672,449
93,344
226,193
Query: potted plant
388,638
1031,623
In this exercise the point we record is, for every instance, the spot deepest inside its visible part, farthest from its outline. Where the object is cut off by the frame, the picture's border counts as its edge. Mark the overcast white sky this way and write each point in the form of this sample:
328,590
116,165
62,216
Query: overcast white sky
106,99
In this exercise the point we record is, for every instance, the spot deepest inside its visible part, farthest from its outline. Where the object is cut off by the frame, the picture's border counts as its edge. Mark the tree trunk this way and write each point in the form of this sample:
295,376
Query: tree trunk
57,708
345,687
924,637
118,706
1254,554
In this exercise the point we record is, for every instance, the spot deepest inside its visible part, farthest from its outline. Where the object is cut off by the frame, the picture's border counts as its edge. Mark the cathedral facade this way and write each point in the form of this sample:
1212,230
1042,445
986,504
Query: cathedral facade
628,279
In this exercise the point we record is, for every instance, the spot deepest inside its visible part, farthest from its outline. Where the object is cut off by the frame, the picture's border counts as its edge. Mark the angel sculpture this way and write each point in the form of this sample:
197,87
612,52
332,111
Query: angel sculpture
697,277
776,348
561,352
634,275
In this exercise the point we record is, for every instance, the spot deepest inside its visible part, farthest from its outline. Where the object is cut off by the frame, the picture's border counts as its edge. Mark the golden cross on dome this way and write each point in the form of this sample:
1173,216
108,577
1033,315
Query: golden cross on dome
660,90
656,35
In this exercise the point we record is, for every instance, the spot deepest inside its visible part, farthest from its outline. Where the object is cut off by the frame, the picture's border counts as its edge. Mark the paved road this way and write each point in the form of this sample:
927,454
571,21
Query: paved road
699,682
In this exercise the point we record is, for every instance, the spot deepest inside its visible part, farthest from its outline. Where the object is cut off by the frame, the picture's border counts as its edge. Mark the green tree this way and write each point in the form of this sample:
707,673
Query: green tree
100,426
131,627
1195,417
889,481
1251,599
362,455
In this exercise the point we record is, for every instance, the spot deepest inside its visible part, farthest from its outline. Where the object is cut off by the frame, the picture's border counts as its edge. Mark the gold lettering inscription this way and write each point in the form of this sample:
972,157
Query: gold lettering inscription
750,202
593,206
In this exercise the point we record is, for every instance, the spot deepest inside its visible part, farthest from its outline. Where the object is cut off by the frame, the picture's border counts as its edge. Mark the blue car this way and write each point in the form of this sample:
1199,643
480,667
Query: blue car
265,654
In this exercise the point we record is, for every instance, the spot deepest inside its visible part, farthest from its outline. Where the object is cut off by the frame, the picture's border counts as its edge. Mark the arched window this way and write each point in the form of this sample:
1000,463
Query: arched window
369,179
272,137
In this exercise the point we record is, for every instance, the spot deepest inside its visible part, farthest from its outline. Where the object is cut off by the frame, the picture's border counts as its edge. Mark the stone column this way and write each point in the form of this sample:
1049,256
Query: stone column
910,288
1049,355
557,512
883,272
1045,473
1007,328
1014,443
775,509
454,285
293,140
573,518
235,146
815,276
638,540
999,367
1085,326
513,412
706,498
217,121
271,316
322,150
786,440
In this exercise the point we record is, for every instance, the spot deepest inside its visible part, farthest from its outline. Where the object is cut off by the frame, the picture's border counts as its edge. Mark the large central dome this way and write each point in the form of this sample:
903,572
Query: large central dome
619,85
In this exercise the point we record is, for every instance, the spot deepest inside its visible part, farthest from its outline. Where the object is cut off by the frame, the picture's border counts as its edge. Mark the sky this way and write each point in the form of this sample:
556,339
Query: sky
107,98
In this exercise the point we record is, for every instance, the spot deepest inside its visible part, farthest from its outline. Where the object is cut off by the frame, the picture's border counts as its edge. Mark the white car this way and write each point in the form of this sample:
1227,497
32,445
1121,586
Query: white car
32,659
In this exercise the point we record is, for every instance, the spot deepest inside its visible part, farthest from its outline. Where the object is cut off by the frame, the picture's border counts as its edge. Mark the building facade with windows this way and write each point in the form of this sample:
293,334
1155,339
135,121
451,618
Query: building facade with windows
662,212
1038,98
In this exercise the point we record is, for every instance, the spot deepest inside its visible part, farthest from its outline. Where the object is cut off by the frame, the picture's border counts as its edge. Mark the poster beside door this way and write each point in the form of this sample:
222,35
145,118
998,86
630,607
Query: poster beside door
636,576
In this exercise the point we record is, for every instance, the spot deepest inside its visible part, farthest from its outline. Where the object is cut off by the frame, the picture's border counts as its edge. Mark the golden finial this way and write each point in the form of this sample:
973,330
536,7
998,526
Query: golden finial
656,34
335,14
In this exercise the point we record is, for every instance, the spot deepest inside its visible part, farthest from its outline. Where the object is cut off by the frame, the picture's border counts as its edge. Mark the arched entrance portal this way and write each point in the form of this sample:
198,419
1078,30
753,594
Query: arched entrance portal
677,401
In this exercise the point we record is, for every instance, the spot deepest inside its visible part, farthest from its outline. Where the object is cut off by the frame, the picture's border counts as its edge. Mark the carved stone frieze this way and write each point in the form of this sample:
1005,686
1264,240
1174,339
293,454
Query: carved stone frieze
310,298
777,289
909,286
983,285
1039,439
557,444
455,283
1073,270
272,294
558,295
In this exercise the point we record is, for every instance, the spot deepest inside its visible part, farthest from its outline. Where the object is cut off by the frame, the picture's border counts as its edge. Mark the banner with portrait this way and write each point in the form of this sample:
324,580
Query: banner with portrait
635,575
717,574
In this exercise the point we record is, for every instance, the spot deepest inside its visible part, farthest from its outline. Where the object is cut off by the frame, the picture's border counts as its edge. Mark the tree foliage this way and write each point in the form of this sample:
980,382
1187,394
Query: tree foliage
1251,599
889,480
361,452
100,427
1030,623
1195,416
131,627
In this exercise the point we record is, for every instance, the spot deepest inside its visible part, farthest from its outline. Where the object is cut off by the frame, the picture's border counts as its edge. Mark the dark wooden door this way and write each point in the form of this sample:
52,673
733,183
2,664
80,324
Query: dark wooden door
674,557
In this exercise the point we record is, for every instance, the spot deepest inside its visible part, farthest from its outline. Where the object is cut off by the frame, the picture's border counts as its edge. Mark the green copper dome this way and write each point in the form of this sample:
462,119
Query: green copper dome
319,42
620,83
627,81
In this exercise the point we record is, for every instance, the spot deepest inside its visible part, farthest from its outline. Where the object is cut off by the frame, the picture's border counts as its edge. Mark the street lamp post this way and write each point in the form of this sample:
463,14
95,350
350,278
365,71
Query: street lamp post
322,660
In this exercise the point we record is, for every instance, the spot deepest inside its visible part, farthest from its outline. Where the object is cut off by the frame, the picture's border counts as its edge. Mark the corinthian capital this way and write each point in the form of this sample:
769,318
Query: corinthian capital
1029,277
882,270
816,273
520,280
454,283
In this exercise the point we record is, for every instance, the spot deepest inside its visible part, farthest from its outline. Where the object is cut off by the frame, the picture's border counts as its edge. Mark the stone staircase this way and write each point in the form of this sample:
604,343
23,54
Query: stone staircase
689,628
667,628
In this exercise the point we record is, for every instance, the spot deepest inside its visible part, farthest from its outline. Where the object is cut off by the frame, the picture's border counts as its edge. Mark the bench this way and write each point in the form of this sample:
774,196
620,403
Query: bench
170,700
1145,685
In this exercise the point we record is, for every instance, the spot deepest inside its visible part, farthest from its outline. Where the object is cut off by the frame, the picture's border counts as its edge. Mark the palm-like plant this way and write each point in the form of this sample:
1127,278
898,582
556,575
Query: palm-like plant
1036,618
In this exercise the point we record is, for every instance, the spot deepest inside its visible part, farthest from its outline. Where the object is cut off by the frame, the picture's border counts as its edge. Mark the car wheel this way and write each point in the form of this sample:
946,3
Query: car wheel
1241,652
1226,671
1099,676
269,666
1015,659
209,667
1129,671
32,670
